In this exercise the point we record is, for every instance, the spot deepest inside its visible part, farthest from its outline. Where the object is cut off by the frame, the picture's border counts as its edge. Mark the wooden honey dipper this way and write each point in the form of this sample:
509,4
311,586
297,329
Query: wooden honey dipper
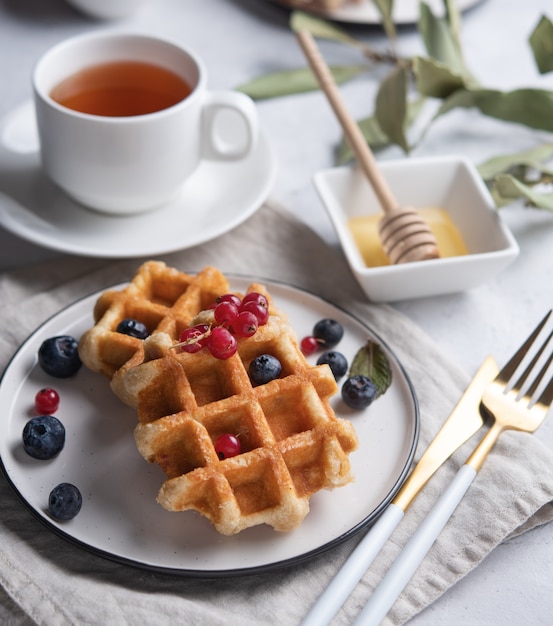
404,234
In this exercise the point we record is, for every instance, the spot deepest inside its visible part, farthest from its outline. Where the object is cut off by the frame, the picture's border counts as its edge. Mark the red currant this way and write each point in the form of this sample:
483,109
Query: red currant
47,401
309,345
221,343
258,304
229,297
204,332
193,338
259,298
245,324
260,311
225,312
227,445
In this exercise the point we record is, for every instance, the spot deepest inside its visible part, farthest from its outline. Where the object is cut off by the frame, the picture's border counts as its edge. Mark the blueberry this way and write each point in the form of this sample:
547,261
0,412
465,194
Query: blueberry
58,356
264,368
358,392
132,327
328,332
336,361
43,437
65,501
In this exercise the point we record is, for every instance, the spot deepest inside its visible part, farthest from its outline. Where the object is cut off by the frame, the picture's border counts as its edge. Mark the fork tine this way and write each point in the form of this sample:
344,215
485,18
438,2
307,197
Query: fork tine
520,382
509,369
536,383
546,396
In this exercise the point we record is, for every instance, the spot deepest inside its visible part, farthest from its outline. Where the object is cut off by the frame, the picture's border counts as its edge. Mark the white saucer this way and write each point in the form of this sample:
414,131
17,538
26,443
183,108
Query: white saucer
216,198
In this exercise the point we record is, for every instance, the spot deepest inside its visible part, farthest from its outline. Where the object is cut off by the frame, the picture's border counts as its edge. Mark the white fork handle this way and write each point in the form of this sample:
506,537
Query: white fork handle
352,571
415,550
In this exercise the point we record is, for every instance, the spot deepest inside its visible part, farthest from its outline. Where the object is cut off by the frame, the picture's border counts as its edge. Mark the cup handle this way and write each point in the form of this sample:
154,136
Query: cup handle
230,126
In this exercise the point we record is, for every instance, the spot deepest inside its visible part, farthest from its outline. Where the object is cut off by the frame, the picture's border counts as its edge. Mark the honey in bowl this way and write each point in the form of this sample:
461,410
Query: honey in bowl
121,89
364,229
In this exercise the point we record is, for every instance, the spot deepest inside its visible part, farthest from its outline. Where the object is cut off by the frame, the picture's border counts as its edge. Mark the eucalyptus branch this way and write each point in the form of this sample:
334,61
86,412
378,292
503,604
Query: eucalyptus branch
390,57
440,75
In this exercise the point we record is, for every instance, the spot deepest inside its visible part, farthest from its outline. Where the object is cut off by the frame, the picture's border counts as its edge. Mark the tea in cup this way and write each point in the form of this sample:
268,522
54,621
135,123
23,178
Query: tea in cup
124,119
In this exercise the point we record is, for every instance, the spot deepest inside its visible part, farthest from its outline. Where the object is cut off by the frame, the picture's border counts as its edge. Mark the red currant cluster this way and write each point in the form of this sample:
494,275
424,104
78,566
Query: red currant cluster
234,317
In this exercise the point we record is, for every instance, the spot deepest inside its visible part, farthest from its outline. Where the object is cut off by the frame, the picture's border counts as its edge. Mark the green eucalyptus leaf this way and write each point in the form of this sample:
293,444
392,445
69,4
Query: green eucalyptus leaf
453,18
508,162
373,133
434,79
288,82
414,108
531,107
391,106
440,42
541,42
371,361
385,7
319,27
508,189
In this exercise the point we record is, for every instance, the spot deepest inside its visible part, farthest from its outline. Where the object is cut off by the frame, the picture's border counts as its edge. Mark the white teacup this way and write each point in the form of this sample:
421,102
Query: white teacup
125,162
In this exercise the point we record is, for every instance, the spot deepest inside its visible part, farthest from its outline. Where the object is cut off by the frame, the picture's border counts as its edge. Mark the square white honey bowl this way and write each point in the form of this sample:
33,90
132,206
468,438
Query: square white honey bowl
449,183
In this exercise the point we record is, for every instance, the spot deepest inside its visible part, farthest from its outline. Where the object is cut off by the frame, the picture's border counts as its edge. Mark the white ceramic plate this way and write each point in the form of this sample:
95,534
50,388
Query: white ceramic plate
215,199
120,518
405,11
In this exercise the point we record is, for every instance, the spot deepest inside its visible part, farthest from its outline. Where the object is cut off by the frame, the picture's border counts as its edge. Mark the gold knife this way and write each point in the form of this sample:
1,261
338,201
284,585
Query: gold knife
464,421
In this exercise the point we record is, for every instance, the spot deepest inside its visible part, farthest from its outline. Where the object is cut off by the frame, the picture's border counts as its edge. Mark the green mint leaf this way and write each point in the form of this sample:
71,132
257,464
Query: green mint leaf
371,361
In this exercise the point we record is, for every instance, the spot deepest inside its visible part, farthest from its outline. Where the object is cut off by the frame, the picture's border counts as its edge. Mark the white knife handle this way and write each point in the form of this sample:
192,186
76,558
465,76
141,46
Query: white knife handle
352,571
415,550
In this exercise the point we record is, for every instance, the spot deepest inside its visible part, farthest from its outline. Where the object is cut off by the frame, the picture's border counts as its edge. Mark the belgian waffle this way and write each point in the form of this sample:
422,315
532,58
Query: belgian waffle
292,443
161,297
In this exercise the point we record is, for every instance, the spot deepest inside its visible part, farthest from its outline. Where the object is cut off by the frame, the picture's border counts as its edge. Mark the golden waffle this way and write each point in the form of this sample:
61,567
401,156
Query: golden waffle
161,297
292,443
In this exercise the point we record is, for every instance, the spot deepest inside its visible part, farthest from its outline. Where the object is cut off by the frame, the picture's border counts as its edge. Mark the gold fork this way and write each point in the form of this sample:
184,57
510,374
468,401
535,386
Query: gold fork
512,406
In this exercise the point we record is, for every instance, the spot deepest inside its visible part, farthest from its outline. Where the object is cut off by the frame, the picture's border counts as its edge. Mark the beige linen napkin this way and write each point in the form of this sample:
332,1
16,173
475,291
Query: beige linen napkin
46,580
